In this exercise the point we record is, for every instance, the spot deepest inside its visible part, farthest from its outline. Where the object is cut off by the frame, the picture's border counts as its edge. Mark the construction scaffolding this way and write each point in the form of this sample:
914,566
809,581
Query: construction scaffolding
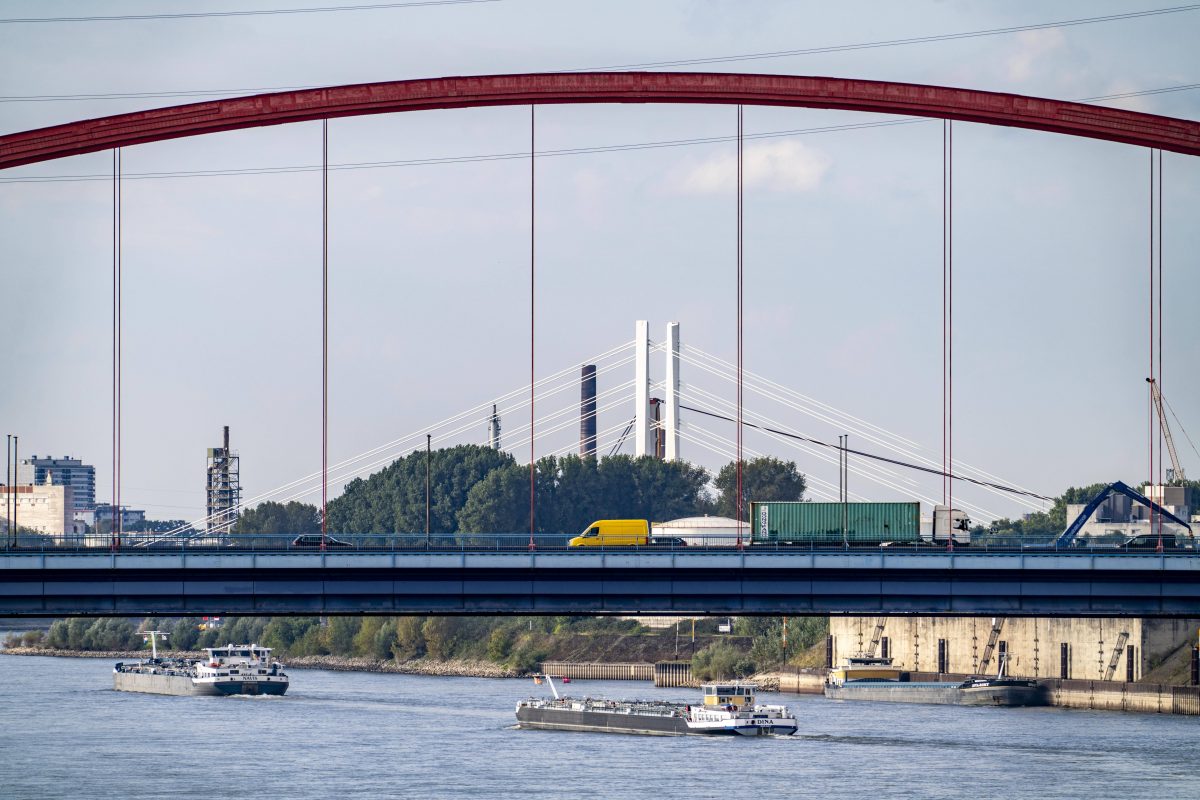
224,491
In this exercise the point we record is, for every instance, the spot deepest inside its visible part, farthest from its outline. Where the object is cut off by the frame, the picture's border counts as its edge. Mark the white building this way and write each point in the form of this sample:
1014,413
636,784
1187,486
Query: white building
47,509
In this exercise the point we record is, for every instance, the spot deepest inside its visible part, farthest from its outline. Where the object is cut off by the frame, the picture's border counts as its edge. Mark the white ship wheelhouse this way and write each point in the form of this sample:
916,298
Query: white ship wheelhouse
238,654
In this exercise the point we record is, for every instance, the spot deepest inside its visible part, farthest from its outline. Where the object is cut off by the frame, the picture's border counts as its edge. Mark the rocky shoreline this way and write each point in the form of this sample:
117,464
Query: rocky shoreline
456,668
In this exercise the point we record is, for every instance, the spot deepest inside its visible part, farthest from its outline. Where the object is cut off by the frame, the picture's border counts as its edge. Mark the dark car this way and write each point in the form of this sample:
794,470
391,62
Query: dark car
667,541
314,540
1149,541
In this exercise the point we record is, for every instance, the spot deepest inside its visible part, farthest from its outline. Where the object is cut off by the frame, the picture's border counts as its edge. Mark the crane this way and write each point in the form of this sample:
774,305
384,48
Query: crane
1066,538
1176,472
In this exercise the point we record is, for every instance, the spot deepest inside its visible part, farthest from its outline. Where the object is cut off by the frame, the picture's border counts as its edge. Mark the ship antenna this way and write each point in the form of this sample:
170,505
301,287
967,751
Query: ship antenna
553,688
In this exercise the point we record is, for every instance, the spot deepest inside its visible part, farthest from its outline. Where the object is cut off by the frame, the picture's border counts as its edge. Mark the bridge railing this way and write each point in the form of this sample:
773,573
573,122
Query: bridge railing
545,542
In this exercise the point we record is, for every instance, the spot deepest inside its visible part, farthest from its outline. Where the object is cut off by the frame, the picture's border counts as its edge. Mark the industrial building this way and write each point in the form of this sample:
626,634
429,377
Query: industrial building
66,471
1120,649
223,488
46,508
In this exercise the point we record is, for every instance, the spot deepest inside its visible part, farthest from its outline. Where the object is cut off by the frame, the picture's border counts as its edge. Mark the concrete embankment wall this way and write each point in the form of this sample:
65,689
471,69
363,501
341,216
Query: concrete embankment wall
599,672
1114,696
1150,698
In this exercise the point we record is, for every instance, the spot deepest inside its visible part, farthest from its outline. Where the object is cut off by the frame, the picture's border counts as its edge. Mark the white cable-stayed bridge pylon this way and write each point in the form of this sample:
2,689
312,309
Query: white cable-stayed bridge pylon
872,433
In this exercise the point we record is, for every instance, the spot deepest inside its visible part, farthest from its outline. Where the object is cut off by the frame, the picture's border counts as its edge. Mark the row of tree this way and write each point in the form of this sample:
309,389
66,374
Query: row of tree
475,489
519,643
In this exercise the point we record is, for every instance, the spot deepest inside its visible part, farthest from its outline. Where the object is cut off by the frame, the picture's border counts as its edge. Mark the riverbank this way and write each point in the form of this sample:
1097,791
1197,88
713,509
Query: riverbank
456,668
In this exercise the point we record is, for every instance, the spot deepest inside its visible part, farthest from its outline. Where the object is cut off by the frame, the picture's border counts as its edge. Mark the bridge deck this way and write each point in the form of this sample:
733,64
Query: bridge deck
711,582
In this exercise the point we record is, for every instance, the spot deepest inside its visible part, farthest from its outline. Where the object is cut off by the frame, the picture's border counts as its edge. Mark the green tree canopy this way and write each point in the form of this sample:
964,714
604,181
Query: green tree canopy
272,517
571,491
1042,524
393,499
763,479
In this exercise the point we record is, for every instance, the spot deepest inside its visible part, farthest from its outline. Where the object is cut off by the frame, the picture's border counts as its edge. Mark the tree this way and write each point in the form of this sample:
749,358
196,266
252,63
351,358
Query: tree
721,661
763,479
1039,524
571,491
499,503
393,499
271,517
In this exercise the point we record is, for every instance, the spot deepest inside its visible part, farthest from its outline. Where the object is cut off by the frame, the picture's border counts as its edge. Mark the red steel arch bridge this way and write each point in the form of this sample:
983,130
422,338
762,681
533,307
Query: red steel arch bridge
1011,578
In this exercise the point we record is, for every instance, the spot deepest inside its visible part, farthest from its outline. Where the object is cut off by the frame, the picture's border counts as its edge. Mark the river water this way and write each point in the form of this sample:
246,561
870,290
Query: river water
64,733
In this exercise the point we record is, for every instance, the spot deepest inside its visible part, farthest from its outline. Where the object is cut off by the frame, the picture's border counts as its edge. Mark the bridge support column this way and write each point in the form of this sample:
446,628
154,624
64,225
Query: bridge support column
671,387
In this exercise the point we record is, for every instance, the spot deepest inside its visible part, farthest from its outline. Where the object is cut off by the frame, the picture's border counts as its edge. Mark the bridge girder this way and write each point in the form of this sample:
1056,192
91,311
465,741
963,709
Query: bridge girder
968,105
775,583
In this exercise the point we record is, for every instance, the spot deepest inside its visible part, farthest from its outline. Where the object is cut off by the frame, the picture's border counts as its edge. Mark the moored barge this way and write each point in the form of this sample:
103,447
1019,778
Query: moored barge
869,678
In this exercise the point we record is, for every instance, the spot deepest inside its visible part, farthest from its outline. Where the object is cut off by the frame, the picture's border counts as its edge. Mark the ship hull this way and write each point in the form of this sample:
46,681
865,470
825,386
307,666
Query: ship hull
953,694
184,686
556,719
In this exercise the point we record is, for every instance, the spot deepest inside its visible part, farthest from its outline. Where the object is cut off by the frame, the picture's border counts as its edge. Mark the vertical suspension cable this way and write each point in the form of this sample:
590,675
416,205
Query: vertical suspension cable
1163,422
532,296
945,227
115,524
740,307
1150,341
324,330
950,335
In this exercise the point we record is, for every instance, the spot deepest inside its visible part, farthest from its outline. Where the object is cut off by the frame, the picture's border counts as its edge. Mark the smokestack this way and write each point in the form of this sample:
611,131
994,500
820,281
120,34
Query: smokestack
226,437
587,411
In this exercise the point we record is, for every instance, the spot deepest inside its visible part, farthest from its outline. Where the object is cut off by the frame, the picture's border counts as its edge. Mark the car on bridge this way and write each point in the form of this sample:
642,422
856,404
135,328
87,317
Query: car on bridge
315,540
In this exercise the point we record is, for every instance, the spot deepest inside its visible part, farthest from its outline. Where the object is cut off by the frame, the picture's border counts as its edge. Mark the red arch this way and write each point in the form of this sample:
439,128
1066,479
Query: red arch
993,108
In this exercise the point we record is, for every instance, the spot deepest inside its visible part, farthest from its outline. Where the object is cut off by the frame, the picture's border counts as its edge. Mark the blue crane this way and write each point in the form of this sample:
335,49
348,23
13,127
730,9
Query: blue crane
1068,536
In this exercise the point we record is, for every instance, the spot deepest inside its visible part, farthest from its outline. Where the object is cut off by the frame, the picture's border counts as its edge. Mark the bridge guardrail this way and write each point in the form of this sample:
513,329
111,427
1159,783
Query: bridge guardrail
517,543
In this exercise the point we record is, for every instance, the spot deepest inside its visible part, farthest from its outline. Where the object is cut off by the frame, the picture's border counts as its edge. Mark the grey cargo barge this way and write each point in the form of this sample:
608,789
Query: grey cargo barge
870,678
727,709
981,692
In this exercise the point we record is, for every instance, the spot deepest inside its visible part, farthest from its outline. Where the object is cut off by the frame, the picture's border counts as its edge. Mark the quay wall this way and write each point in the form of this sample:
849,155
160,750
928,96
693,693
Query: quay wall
1113,649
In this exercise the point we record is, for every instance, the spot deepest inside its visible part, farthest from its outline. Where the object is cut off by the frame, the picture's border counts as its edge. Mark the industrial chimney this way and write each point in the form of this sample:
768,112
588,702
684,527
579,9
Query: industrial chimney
587,411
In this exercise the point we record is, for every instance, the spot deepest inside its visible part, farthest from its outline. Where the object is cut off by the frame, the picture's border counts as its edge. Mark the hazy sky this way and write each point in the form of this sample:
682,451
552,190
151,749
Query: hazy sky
429,263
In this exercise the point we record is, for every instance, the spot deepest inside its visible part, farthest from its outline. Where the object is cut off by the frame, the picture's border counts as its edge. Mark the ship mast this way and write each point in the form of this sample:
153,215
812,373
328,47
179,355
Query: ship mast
149,636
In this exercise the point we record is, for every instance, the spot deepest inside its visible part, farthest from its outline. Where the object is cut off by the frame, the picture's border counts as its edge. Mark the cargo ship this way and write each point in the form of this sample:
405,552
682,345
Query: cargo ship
869,678
229,670
728,709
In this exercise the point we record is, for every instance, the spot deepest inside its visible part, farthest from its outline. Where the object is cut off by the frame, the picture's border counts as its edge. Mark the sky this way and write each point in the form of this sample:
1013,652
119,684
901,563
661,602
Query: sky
429,263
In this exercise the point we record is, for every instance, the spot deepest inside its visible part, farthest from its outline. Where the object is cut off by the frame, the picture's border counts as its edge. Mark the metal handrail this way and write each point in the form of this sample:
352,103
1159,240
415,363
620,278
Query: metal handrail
553,543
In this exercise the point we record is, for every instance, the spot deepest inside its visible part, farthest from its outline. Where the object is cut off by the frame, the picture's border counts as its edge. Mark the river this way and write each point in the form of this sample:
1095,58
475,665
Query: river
65,734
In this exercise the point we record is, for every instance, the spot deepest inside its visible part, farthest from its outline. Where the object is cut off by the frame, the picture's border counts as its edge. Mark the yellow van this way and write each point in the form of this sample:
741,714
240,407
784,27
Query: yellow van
614,533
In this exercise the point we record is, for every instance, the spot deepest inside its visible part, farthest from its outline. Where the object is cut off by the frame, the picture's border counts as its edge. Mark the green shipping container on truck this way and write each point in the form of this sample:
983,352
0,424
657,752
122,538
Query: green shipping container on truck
824,523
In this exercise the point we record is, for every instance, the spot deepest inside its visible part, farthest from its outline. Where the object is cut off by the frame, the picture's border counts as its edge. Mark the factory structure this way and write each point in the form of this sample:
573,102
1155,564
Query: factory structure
223,488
